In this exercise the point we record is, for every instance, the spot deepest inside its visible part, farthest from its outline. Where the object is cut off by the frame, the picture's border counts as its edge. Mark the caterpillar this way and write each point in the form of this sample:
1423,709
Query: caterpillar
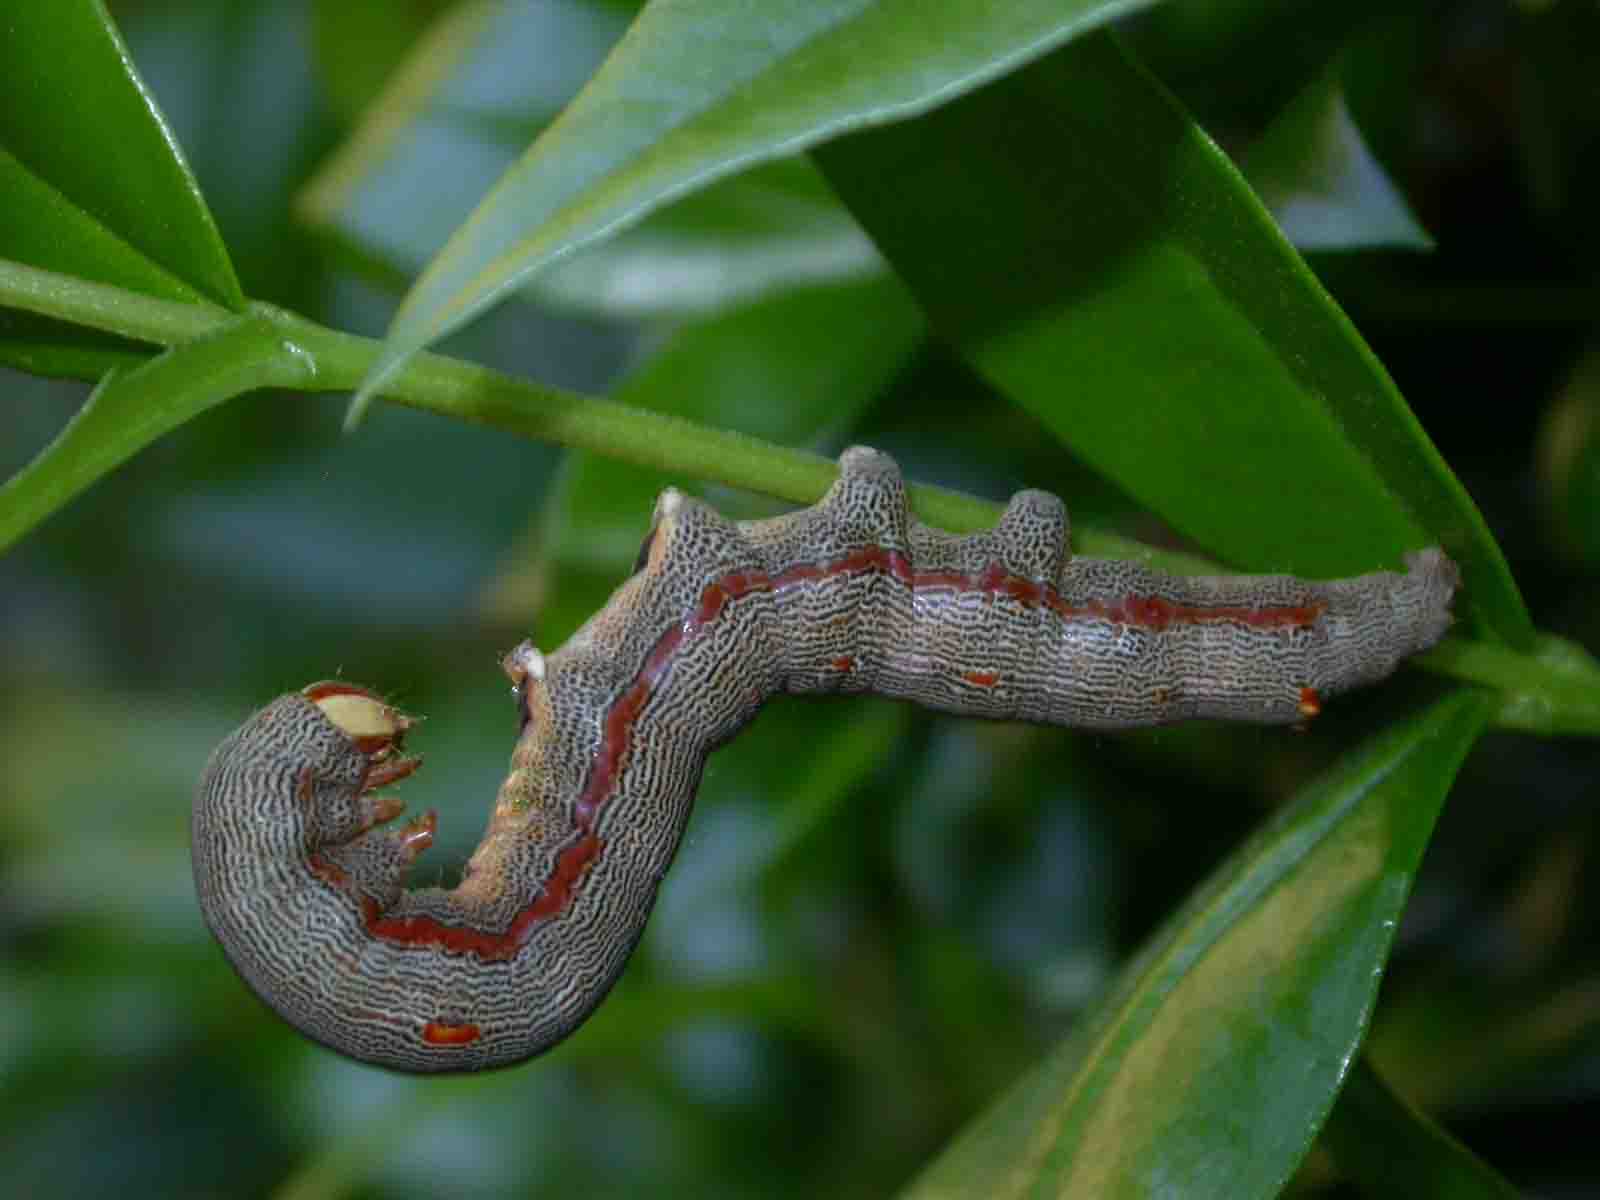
299,872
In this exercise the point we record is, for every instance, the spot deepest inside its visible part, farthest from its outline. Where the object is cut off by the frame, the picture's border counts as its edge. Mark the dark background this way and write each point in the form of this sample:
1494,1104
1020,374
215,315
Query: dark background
817,1006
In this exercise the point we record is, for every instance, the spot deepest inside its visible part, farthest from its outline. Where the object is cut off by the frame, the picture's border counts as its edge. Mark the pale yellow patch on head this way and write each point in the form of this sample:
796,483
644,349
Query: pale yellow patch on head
362,716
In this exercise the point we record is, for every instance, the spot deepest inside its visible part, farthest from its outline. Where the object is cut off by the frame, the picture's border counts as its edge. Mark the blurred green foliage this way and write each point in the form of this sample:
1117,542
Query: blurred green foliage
881,920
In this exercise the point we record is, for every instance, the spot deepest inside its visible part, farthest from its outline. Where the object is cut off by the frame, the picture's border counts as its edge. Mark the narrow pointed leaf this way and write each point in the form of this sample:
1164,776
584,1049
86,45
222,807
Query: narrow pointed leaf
1102,263
43,227
93,178
1211,1064
456,110
131,409
701,89
771,229
1313,170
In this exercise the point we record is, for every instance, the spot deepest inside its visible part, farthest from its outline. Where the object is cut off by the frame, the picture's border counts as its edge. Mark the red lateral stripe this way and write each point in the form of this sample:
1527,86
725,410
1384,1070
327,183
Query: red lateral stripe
1158,613
857,562
1144,612
571,864
1140,612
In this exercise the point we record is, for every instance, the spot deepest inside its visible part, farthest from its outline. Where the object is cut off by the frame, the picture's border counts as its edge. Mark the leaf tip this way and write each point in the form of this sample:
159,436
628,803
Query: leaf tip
380,373
356,413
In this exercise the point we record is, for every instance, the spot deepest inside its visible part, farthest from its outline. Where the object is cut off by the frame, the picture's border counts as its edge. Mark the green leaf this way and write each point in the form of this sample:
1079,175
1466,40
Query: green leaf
770,229
1208,1068
1391,1149
94,182
454,111
131,409
828,351
1313,170
42,227
699,90
1101,262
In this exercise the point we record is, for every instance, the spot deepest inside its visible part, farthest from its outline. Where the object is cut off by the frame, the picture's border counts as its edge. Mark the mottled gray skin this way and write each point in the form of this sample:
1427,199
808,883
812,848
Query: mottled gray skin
284,806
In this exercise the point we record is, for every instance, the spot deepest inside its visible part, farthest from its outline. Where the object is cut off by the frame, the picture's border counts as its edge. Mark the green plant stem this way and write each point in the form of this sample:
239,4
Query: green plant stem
1543,694
339,361
101,306
1555,689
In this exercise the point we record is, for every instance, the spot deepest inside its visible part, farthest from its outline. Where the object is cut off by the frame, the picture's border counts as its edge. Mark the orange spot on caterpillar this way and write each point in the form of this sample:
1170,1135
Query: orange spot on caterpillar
437,1033
844,663
1310,703
983,679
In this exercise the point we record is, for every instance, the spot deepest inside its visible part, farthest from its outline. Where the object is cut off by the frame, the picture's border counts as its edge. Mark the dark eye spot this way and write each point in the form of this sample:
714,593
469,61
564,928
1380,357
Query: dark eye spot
644,549
519,695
